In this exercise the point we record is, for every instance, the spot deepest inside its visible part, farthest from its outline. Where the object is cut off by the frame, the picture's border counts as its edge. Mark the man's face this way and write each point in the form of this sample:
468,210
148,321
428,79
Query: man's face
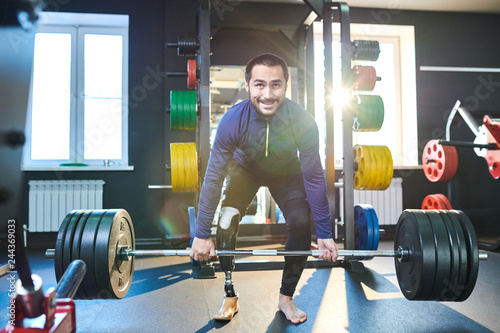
267,89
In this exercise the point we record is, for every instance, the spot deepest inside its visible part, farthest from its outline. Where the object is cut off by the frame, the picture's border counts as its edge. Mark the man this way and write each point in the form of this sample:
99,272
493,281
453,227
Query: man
256,144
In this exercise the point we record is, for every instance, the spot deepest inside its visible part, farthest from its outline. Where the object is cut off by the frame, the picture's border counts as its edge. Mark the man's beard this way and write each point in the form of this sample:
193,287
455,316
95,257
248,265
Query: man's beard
257,109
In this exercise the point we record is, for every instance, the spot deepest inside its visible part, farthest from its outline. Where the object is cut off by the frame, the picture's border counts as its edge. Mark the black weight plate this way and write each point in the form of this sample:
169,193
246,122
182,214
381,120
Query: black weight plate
472,254
415,276
87,253
452,291
460,285
114,276
58,263
68,239
443,254
75,249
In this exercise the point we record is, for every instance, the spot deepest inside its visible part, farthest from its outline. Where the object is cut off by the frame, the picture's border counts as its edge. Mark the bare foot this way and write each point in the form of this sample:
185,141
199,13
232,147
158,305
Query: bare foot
287,306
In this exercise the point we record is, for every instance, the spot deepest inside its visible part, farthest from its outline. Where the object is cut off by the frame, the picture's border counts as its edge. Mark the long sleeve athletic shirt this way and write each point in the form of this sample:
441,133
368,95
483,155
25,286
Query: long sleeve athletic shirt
268,146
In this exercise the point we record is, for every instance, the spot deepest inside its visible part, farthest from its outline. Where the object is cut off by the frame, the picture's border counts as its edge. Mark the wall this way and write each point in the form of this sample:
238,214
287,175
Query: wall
447,39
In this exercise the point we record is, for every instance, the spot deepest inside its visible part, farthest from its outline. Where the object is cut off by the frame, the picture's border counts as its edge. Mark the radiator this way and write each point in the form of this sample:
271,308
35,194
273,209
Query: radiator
388,204
51,200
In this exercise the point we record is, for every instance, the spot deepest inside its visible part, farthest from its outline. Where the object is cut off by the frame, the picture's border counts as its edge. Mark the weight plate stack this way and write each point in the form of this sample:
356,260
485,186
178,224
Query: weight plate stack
373,167
183,110
366,229
184,167
369,113
367,50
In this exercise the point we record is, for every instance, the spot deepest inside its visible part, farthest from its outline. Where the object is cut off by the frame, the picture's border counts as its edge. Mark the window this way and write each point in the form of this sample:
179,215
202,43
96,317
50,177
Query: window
78,108
396,67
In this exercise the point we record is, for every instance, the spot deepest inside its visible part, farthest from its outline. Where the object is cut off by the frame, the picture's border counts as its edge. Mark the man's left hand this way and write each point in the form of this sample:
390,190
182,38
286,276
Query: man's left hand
330,253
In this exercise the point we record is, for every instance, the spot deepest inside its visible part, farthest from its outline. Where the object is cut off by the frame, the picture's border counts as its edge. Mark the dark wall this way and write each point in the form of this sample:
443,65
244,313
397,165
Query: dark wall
442,39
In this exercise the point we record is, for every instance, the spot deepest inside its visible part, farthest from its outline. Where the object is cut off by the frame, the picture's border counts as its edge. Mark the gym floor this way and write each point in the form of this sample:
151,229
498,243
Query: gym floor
165,298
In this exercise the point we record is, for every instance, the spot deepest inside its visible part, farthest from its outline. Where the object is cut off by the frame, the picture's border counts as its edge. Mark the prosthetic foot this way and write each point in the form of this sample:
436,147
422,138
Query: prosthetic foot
228,308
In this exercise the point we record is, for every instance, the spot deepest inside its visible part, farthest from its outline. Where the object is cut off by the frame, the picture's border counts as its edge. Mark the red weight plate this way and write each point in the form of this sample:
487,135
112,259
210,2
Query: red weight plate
365,78
439,162
191,70
493,155
432,201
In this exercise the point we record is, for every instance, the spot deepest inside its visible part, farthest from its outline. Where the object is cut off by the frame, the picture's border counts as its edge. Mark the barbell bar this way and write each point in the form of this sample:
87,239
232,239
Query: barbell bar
126,252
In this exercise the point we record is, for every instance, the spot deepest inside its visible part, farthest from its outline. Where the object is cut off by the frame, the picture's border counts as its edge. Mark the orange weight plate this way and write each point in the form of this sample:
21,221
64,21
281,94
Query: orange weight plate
191,71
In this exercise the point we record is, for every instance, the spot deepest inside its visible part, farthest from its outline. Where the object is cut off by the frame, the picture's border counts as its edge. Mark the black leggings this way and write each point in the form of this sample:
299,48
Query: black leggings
289,193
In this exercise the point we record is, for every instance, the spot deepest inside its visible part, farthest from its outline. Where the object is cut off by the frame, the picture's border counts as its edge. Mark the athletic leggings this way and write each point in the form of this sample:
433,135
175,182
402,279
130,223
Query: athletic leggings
289,193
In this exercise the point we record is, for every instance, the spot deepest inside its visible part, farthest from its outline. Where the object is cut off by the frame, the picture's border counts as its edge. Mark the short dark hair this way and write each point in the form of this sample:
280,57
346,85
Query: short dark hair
266,59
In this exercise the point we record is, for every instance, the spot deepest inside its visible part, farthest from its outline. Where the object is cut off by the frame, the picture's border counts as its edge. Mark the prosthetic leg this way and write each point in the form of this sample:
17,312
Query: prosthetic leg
227,231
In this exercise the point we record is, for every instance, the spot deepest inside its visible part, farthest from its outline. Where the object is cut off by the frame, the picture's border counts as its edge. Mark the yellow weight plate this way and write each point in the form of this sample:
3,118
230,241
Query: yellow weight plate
184,167
374,167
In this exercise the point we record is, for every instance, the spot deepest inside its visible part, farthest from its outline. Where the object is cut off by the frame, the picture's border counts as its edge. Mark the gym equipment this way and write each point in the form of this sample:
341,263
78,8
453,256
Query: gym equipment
191,74
487,141
52,311
184,166
368,113
366,229
446,250
439,162
373,167
436,201
96,236
183,110
365,78
367,50
186,46
425,259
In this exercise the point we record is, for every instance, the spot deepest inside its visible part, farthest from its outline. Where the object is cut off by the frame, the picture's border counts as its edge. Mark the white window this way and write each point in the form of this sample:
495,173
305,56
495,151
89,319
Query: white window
78,108
396,68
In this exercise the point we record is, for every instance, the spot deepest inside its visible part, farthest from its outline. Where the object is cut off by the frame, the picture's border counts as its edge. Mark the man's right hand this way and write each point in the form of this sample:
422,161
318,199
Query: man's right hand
202,249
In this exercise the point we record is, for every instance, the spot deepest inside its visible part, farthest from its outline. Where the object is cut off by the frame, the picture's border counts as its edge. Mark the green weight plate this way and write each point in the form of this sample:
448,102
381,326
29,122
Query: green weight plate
193,107
174,112
443,255
451,292
114,276
61,235
472,254
370,113
75,248
87,253
68,239
415,276
183,110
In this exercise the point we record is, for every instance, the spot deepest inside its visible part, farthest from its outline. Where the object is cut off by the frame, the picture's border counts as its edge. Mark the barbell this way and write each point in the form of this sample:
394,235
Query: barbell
436,253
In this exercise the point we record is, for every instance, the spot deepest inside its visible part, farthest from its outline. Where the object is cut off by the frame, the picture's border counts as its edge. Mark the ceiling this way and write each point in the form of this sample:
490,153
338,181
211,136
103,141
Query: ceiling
482,6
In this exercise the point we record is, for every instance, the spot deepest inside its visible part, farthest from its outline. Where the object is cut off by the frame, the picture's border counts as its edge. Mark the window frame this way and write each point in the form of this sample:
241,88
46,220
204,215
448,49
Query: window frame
405,91
80,24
